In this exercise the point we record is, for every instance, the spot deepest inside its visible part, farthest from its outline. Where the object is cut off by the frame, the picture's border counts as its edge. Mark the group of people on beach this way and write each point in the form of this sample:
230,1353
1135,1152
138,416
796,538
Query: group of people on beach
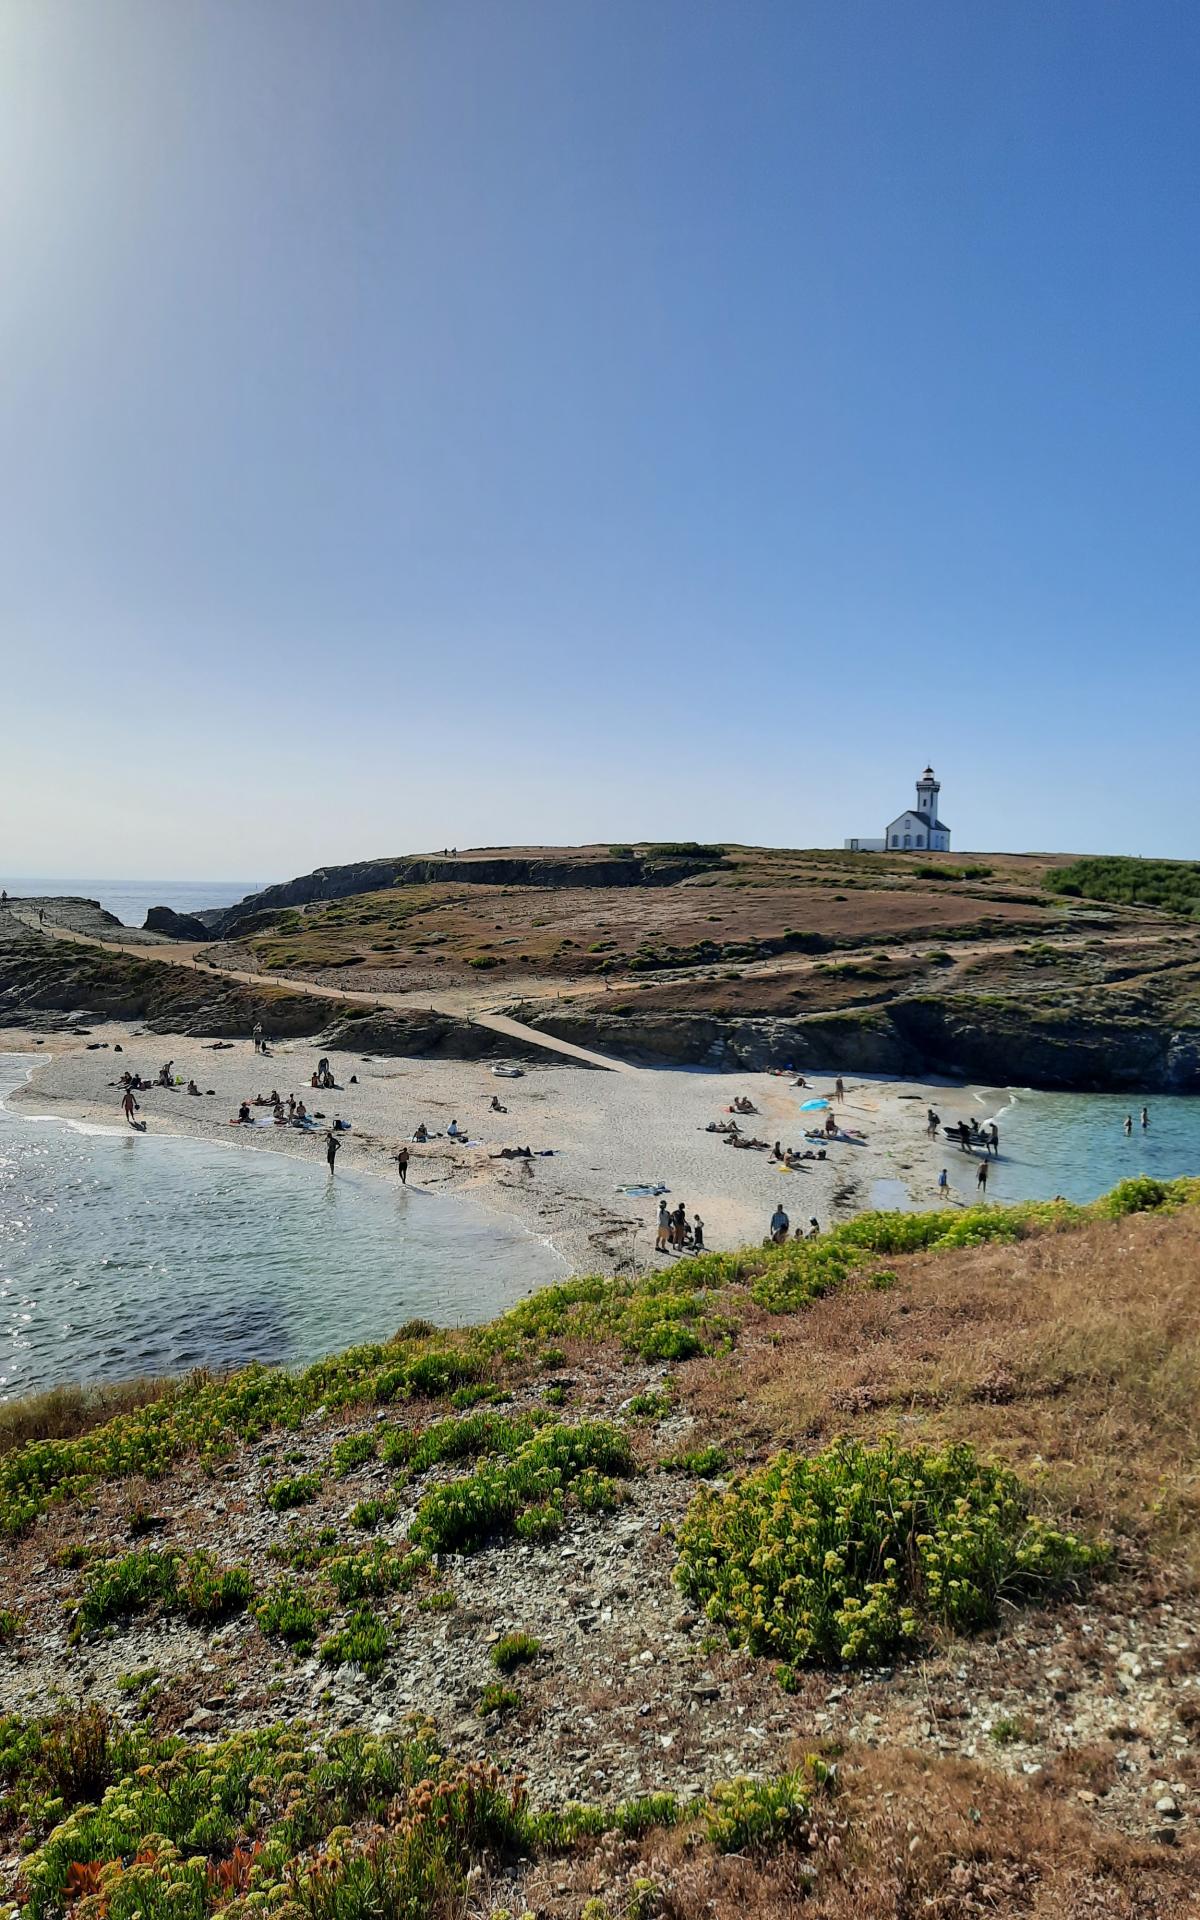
674,1234
781,1226
1129,1121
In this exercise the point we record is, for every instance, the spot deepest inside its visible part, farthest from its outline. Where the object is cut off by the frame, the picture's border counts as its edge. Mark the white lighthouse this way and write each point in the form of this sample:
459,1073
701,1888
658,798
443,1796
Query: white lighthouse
919,829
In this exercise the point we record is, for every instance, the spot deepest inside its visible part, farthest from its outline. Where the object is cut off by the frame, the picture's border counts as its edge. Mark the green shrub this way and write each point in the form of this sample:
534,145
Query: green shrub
298,1491
287,1613
704,1462
354,1451
209,1593
147,1578
649,1405
848,1555
748,1815
303,1548
376,1571
544,1520
10,1625
369,1514
497,1698
362,1642
133,1584
1122,880
523,1494
513,1651
441,1600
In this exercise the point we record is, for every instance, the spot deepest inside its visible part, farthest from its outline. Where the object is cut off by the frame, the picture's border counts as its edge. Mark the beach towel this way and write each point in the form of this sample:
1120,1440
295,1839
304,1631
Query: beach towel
644,1190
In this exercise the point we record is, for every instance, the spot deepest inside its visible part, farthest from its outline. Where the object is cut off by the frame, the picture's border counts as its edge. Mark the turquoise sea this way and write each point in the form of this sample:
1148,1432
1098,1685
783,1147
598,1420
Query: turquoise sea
1070,1143
123,1255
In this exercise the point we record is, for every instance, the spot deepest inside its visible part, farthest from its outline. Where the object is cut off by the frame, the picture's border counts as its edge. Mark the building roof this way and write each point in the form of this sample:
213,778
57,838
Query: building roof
927,820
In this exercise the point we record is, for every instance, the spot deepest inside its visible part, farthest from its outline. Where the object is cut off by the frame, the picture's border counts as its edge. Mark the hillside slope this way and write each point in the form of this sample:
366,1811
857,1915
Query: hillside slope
364,1565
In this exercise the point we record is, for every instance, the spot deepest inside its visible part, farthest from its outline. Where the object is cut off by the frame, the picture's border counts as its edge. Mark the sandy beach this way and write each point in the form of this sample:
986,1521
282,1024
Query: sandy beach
602,1131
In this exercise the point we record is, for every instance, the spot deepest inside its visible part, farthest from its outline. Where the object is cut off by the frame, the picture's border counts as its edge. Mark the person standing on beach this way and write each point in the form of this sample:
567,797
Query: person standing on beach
943,1183
698,1233
779,1224
402,1165
981,1176
839,1088
331,1148
129,1105
994,1139
664,1227
257,1035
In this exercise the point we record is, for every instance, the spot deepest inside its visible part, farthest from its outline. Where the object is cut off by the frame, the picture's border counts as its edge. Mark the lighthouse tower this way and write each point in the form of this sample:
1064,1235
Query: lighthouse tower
919,830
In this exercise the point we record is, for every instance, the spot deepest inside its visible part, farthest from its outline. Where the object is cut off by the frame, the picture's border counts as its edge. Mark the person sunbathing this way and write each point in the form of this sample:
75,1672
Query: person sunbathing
245,1118
192,1087
495,1106
422,1134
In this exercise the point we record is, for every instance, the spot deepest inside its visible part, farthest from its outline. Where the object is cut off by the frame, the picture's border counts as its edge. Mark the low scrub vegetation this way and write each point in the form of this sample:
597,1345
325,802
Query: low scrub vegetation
298,1491
513,1651
339,1829
1171,885
858,1552
144,1581
363,1642
525,1494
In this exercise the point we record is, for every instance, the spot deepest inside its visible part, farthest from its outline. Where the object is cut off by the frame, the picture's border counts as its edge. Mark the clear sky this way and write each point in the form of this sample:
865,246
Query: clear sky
478,421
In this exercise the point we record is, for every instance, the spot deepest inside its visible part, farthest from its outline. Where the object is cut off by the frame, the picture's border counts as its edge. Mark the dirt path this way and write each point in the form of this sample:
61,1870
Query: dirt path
184,955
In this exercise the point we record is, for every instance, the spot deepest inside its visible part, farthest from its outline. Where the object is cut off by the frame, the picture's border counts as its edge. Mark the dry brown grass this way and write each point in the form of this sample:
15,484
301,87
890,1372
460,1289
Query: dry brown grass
908,1835
1074,1357
62,1413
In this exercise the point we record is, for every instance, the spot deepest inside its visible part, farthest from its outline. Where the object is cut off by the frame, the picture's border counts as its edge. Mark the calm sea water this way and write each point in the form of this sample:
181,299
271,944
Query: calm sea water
130,899
1071,1143
123,1255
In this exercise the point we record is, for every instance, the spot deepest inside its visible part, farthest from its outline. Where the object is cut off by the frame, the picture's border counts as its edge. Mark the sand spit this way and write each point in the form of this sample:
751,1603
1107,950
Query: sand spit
605,1131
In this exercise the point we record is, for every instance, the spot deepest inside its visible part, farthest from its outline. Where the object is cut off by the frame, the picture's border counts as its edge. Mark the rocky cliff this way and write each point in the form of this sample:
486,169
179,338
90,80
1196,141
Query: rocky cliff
647,869
1085,1048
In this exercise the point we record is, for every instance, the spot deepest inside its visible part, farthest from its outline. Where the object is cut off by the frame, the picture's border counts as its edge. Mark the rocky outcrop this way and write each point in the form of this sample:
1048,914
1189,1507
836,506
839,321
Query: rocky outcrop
370,876
177,926
49,985
1084,1049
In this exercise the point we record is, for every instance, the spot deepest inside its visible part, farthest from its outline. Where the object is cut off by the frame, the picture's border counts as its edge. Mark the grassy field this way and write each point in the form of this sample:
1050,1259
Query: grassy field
754,905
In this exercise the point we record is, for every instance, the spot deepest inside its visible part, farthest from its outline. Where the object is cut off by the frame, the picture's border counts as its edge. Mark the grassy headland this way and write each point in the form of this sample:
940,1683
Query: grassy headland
490,1527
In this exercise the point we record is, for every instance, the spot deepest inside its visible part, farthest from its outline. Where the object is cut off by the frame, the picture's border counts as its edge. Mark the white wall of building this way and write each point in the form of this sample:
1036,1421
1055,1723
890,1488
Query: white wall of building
909,833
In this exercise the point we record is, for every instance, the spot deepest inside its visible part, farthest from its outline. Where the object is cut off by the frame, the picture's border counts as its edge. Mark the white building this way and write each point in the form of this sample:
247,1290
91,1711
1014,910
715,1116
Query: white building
918,830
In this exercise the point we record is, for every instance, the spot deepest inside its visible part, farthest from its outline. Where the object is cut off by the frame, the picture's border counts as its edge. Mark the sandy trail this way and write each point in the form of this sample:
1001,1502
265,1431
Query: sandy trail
181,954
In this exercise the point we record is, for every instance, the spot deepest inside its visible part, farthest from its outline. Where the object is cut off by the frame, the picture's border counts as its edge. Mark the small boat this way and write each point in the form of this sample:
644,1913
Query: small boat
509,1073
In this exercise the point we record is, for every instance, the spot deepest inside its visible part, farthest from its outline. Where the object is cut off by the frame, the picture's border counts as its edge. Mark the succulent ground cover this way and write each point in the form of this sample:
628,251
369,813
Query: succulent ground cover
345,1827
857,1552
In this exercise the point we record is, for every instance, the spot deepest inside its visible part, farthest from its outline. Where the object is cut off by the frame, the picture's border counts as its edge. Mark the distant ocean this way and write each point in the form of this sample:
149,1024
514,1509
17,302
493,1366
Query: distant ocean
130,899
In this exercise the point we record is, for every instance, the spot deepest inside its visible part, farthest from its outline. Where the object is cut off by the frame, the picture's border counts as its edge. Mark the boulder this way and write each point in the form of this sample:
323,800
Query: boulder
177,926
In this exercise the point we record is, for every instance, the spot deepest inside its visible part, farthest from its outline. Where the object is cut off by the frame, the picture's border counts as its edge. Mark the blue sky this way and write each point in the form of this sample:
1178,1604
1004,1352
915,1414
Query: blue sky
500,420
